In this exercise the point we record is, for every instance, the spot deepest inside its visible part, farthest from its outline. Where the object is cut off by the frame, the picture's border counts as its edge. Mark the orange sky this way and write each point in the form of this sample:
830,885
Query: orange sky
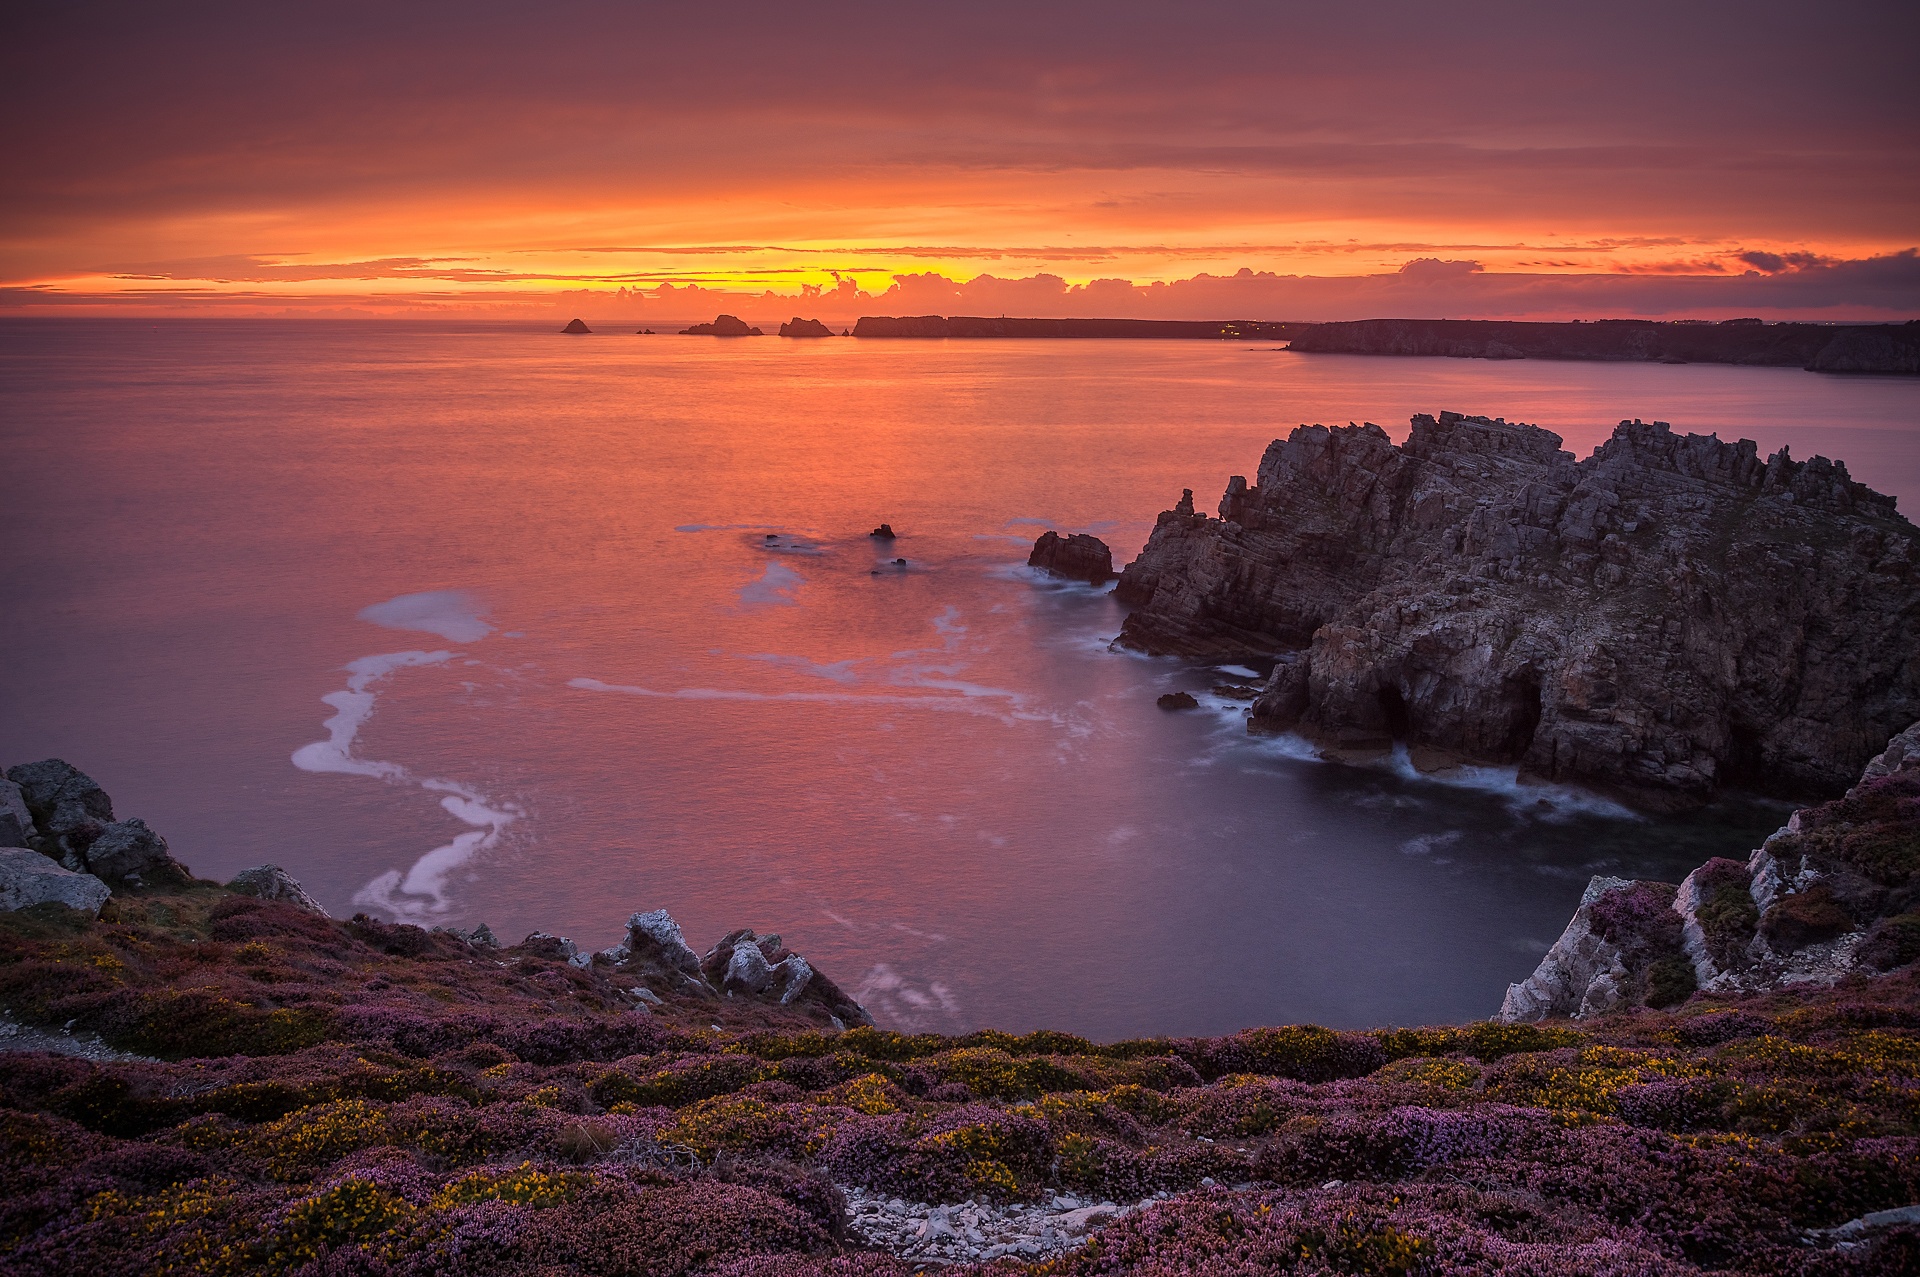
509,160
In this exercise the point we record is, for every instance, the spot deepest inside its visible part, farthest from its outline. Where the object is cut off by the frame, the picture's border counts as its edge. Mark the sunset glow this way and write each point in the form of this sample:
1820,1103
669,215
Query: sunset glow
400,165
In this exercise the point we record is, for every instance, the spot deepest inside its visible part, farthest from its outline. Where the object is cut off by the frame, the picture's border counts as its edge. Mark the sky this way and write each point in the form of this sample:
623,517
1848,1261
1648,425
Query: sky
660,162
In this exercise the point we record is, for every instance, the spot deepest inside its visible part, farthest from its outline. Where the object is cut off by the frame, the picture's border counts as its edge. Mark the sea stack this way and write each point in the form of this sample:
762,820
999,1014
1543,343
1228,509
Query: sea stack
1672,616
722,326
1078,557
576,327
798,327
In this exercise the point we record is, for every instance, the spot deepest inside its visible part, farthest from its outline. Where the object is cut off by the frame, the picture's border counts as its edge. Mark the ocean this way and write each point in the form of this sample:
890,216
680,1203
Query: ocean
476,622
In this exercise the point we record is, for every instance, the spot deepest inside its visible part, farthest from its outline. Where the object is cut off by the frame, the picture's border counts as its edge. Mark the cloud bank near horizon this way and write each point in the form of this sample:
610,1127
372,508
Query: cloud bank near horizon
489,154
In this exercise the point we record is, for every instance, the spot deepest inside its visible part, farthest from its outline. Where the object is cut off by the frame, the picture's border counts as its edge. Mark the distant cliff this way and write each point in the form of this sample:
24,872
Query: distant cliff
970,326
1878,348
1669,616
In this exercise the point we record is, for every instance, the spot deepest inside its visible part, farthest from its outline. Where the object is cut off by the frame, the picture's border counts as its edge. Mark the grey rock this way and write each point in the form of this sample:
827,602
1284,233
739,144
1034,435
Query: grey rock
127,851
271,882
1643,619
28,878
69,808
16,822
1568,979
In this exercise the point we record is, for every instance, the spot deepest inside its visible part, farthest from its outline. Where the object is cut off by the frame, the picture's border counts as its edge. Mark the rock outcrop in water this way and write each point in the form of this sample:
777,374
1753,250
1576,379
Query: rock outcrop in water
1835,892
798,327
576,328
1078,557
722,326
1666,617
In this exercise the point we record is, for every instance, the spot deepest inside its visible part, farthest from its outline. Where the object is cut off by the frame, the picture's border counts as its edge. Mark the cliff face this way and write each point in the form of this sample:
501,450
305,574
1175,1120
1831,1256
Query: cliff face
1831,894
1670,615
1876,348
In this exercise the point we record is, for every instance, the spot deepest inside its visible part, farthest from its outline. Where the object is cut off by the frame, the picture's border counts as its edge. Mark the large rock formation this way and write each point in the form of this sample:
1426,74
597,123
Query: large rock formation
28,878
1836,891
798,327
1671,615
1078,557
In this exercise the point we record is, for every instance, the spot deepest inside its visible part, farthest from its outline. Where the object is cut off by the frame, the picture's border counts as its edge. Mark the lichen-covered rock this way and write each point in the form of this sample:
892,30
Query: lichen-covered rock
68,807
656,953
16,822
1078,557
1668,616
28,878
744,964
128,851
271,882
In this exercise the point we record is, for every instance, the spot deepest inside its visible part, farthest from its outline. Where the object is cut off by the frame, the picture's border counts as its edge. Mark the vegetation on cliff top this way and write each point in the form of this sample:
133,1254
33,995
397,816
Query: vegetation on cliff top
351,1097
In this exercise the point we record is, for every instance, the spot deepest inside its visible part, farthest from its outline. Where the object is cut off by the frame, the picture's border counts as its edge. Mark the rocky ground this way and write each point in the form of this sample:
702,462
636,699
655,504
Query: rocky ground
1670,616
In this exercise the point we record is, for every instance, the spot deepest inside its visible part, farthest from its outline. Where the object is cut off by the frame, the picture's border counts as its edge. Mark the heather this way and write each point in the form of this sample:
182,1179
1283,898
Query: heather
288,1093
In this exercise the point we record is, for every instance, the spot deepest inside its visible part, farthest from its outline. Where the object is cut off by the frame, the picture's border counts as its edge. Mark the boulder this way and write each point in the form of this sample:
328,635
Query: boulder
882,533
271,882
722,326
67,806
1077,558
128,851
576,327
798,327
1639,619
657,952
28,878
16,822
1177,700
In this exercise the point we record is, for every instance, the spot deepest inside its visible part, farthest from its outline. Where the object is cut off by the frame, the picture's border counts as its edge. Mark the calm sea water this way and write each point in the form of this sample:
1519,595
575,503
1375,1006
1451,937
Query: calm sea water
484,623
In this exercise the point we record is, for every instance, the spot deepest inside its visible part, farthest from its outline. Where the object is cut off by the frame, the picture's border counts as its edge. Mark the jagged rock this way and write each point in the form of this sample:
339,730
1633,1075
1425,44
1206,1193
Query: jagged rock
271,882
576,327
744,964
657,952
1565,981
1177,700
882,533
798,327
28,878
128,851
1668,616
722,326
69,809
16,822
1078,557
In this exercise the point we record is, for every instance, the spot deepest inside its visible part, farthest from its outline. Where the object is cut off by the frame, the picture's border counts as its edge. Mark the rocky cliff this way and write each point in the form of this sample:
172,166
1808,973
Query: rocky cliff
1671,615
1832,894
1876,348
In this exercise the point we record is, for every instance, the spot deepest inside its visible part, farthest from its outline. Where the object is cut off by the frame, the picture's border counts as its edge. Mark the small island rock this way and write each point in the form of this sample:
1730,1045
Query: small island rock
883,533
798,327
1178,700
1078,557
576,327
722,326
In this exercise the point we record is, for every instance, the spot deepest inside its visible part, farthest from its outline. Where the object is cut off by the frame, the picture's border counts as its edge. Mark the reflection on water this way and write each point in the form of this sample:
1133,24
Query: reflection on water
470,623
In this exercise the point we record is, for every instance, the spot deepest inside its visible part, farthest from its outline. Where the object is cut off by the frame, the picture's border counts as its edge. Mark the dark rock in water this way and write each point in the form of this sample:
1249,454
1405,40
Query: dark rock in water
644,332
1178,700
16,822
1078,557
899,563
1644,619
128,851
722,326
884,532
798,327
271,882
576,327
1236,691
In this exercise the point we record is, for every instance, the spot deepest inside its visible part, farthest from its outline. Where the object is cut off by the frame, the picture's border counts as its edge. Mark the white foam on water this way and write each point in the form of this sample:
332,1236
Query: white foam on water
778,586
897,1001
961,704
1238,671
1544,800
421,892
836,671
452,614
